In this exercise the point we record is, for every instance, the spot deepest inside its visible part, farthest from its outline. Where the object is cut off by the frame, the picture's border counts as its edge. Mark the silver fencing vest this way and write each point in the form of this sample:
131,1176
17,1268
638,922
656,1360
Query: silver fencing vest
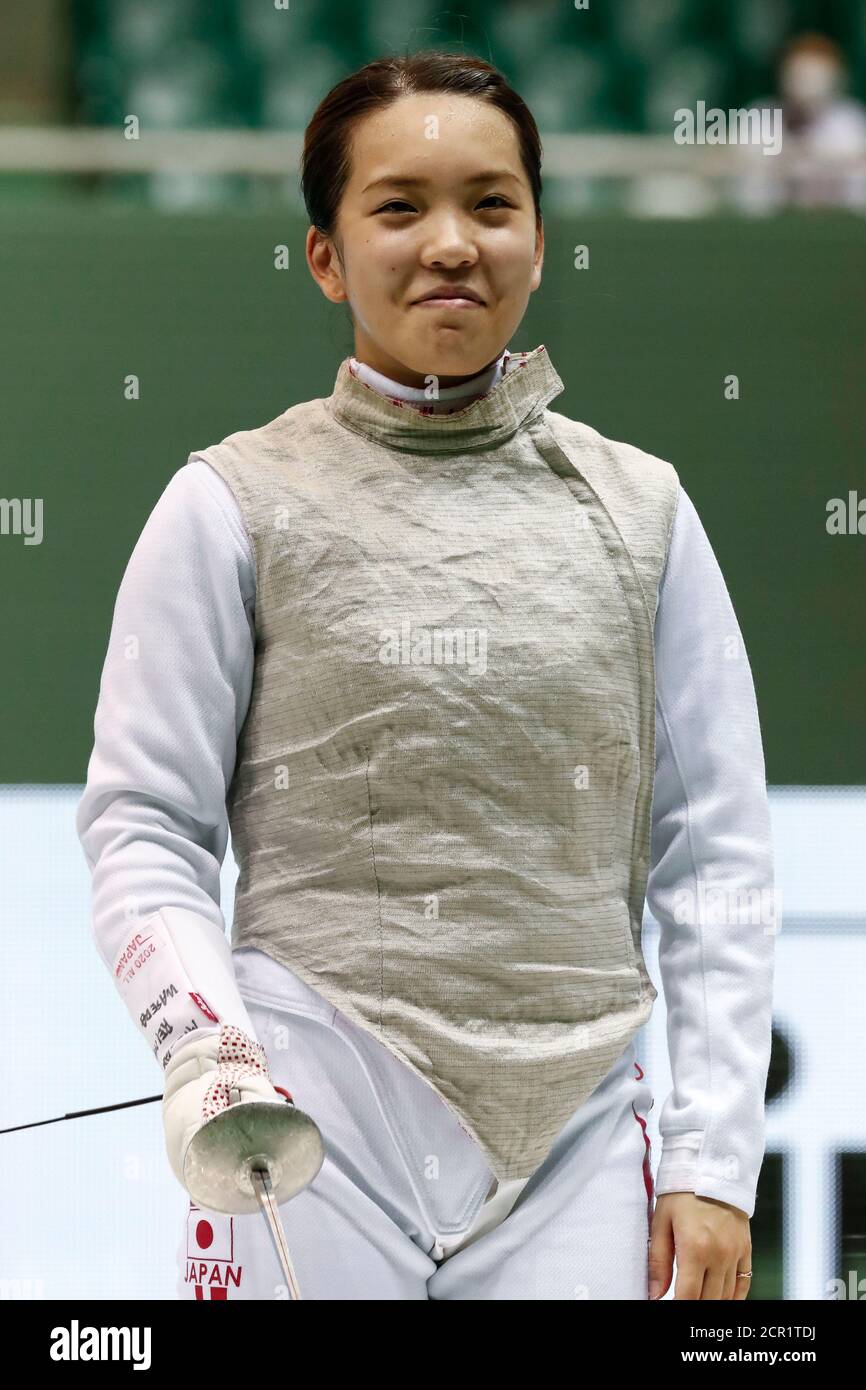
441,803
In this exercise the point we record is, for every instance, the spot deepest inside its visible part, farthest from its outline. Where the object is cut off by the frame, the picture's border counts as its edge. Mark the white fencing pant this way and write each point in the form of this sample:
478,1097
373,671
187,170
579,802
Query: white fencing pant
399,1209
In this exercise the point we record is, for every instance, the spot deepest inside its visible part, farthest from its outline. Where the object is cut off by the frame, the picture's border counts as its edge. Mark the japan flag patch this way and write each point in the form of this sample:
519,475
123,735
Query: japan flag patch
210,1254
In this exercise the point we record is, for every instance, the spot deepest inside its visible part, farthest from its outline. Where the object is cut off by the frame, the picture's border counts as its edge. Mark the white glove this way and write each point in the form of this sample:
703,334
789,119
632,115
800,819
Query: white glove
207,1072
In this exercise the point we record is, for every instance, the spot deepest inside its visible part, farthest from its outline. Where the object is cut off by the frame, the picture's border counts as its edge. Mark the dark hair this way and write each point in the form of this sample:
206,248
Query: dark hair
325,162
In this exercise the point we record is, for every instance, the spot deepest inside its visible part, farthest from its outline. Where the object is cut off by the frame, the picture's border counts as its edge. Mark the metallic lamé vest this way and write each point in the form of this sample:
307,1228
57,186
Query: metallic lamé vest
441,803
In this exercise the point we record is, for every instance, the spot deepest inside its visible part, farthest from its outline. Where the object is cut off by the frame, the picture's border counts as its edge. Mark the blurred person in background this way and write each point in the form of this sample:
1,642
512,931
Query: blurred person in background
821,124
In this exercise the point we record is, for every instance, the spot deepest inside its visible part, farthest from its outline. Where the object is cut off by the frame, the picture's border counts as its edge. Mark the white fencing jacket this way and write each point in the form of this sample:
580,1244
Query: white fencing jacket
153,826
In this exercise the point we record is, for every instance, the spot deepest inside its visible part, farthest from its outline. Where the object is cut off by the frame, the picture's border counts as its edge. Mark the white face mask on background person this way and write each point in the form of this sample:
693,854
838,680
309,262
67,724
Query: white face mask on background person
810,80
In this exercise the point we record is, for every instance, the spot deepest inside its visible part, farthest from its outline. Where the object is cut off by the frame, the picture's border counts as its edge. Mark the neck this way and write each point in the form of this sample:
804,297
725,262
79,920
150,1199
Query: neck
446,399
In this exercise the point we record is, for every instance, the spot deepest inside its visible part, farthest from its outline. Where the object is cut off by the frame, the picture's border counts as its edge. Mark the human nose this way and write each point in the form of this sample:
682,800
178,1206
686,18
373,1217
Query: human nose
449,242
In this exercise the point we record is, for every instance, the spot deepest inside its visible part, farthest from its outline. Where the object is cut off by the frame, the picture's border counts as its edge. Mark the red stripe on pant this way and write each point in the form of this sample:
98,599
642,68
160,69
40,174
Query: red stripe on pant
647,1157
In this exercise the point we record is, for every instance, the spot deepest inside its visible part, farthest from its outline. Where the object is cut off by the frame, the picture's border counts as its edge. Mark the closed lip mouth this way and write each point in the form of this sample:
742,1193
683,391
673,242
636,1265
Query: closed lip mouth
451,292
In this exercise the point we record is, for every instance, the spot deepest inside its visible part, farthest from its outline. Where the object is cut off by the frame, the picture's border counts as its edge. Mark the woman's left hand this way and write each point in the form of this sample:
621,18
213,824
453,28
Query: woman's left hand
712,1243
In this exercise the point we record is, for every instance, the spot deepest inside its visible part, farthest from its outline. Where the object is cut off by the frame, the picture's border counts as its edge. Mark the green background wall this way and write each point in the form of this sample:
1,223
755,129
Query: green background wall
643,341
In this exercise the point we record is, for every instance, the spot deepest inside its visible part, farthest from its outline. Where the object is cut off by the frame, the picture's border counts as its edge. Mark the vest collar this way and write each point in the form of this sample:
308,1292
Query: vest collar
519,396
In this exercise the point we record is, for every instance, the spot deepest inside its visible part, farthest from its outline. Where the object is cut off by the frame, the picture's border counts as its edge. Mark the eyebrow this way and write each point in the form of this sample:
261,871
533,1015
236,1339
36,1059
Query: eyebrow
411,181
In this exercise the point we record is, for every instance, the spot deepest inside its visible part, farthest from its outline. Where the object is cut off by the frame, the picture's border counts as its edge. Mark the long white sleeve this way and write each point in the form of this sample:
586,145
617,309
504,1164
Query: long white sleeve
152,821
711,883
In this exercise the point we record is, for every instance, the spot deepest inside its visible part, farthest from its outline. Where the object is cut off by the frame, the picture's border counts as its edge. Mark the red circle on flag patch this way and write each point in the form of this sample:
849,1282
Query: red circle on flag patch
204,1235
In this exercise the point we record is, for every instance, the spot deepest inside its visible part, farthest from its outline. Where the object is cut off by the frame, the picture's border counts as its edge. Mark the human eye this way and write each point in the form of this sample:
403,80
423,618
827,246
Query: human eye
502,201
395,203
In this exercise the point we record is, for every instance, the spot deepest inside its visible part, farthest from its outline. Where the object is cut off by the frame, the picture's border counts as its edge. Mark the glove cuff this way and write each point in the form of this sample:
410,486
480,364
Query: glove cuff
237,1056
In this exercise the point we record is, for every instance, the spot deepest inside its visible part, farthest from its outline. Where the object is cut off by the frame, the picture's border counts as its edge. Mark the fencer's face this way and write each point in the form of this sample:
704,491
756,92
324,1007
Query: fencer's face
437,195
